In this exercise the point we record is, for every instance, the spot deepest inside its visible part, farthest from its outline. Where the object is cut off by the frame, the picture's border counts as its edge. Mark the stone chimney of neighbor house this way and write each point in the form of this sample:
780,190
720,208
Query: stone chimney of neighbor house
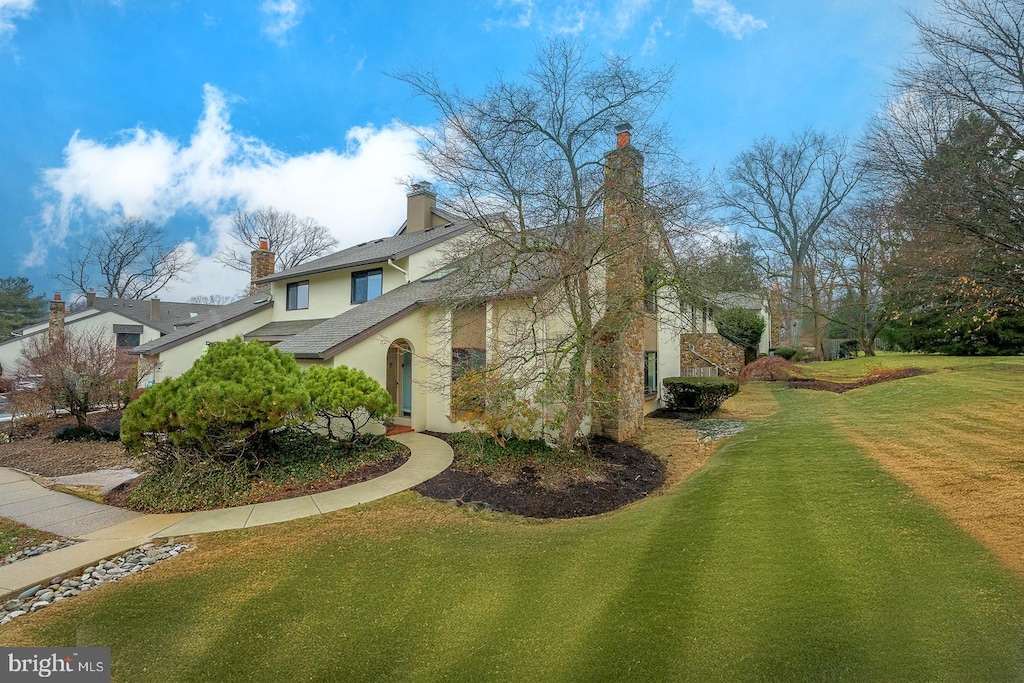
154,310
621,340
90,299
261,265
56,318
421,202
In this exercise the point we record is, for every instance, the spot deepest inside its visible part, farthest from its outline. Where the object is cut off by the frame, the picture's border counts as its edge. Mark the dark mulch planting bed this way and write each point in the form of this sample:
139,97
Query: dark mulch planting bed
628,473
365,472
841,387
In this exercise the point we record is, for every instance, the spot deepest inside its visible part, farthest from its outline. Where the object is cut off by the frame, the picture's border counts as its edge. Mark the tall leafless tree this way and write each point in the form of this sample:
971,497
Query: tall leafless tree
293,240
788,190
526,161
129,259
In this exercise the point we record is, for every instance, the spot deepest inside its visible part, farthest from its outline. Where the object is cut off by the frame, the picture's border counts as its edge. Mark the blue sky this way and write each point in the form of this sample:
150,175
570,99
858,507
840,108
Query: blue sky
183,111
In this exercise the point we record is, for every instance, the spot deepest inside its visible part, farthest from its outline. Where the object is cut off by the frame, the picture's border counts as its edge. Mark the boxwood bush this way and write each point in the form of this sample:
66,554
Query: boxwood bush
701,395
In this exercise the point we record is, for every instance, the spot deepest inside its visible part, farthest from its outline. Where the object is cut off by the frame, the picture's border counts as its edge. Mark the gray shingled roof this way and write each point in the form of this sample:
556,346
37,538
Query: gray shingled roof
216,317
374,251
171,313
283,328
749,300
334,335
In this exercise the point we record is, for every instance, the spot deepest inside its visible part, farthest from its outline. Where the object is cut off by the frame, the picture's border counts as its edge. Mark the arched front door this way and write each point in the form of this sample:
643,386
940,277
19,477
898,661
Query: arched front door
399,379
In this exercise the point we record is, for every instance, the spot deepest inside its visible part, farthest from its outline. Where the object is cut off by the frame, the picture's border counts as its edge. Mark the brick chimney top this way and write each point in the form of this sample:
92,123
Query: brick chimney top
622,134
264,245
261,264
56,296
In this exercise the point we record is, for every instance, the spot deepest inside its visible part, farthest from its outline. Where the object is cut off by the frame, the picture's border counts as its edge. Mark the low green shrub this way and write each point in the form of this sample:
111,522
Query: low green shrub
787,352
86,433
849,348
294,458
702,395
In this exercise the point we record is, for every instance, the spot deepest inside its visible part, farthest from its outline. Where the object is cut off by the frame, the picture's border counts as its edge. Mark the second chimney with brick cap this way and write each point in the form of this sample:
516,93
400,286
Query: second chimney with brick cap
261,265
57,311
154,310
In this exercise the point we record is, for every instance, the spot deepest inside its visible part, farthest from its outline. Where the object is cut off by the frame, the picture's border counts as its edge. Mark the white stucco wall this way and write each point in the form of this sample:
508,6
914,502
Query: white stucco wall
180,358
10,351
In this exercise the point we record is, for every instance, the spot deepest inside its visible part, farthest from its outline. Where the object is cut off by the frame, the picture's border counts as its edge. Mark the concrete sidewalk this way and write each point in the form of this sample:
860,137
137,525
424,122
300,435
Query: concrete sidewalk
106,531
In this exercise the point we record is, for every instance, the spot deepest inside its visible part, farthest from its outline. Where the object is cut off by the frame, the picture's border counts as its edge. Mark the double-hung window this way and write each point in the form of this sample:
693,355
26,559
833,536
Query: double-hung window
367,285
298,296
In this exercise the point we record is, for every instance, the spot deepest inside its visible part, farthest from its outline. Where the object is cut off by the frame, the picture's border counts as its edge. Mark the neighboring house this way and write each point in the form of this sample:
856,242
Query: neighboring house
705,352
375,307
130,322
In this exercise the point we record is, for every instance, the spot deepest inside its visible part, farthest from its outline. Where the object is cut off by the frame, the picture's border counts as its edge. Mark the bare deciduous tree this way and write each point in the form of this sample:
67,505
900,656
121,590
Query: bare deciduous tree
79,370
527,162
293,240
212,299
130,259
788,191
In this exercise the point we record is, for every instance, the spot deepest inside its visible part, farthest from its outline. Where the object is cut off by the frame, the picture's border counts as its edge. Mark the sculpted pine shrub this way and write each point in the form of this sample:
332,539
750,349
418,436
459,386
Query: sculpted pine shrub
228,402
344,393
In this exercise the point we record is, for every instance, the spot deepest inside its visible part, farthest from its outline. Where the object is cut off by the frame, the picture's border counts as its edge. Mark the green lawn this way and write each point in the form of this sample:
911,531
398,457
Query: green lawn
789,556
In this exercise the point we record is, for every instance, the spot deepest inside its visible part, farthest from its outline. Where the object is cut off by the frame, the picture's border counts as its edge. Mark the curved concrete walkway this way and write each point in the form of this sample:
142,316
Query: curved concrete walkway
105,530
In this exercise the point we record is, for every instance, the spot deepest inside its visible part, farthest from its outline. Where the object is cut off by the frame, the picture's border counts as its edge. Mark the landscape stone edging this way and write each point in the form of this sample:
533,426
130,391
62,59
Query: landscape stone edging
40,549
63,588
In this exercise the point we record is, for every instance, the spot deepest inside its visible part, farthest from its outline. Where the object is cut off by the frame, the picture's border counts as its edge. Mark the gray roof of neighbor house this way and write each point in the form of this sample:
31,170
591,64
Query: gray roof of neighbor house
140,310
374,251
337,333
216,317
752,301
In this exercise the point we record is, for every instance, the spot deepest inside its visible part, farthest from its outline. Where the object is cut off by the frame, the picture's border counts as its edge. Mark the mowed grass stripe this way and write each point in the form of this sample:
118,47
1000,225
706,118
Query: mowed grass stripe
791,555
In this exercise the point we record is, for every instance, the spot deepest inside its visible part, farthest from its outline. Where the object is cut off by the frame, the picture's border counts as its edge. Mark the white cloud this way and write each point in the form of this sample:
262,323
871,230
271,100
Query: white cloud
626,12
515,14
11,10
650,45
724,16
354,192
280,17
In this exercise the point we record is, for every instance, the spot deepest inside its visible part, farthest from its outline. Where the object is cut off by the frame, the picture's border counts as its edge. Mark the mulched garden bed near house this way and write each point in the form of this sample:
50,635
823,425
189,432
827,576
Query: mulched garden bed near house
841,387
620,473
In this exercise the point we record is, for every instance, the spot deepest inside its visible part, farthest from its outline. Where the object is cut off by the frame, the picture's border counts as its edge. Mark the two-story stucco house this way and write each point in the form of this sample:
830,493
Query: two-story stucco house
377,306
129,322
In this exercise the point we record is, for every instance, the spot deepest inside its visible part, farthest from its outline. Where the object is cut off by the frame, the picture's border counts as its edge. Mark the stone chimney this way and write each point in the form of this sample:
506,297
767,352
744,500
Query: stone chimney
57,311
261,265
621,351
421,202
154,310
90,299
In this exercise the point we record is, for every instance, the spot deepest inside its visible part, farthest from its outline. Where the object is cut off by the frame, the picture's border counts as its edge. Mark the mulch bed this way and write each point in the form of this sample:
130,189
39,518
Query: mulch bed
841,387
38,454
627,473
119,496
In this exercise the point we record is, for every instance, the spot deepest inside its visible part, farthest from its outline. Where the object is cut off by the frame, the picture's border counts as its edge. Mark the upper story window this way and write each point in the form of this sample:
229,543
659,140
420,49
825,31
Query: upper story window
367,285
128,340
298,296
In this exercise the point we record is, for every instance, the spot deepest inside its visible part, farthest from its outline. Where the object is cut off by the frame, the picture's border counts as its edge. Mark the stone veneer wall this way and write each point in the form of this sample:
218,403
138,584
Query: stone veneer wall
715,348
57,311
620,358
261,264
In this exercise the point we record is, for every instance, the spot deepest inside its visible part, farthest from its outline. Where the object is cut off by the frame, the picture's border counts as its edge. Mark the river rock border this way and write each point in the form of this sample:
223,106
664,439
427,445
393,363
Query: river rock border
63,588
47,547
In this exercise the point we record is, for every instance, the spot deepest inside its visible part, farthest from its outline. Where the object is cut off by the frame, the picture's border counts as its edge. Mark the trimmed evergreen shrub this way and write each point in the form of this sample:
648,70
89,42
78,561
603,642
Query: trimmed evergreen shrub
344,393
702,395
787,352
228,402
